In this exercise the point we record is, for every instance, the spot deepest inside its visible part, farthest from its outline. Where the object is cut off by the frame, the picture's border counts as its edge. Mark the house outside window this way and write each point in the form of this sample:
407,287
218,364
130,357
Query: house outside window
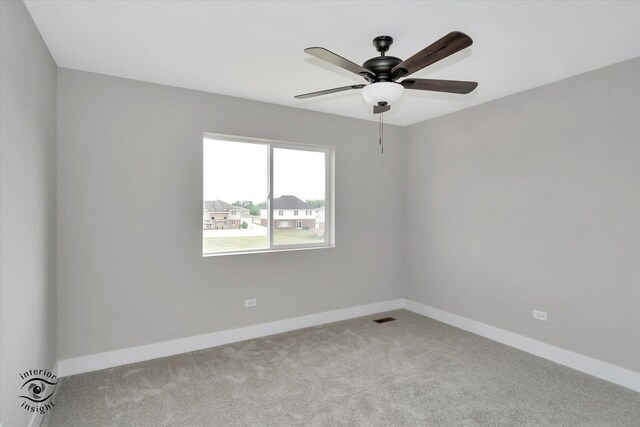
278,181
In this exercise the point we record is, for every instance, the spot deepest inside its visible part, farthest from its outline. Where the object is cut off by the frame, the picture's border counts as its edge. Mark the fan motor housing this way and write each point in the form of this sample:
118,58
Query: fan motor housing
381,66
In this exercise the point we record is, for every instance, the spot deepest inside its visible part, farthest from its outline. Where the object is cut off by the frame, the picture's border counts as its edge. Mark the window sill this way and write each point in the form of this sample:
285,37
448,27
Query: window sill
266,251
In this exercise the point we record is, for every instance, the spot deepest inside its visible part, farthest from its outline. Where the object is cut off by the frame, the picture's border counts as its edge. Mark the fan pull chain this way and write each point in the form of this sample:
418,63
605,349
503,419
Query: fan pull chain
381,130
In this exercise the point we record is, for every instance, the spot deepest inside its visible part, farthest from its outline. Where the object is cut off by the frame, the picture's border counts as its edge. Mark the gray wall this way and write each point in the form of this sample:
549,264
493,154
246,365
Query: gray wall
533,202
27,207
130,270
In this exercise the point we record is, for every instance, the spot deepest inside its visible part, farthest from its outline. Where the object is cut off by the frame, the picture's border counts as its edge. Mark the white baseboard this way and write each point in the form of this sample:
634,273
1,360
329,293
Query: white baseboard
95,362
580,362
36,420
577,361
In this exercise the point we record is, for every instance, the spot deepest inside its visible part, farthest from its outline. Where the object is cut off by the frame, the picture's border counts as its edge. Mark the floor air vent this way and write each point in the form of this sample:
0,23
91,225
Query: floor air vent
384,320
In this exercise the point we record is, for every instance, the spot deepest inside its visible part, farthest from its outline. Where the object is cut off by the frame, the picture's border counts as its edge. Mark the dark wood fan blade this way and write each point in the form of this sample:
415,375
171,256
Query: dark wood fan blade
377,109
448,45
451,86
328,91
335,59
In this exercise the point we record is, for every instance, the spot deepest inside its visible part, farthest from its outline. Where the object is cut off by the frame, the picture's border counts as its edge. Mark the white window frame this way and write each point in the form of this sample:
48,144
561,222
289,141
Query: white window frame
329,175
298,222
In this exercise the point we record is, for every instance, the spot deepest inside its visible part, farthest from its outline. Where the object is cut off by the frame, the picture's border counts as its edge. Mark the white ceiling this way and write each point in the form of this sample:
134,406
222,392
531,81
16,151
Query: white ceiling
254,50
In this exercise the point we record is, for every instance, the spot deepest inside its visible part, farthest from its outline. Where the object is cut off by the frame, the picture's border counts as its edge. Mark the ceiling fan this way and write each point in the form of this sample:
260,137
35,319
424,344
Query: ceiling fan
382,72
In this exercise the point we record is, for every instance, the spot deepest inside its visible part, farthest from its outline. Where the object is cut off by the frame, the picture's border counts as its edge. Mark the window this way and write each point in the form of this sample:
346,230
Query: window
270,177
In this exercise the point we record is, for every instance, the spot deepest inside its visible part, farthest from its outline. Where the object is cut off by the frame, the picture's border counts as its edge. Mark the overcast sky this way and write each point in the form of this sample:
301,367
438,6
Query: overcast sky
238,171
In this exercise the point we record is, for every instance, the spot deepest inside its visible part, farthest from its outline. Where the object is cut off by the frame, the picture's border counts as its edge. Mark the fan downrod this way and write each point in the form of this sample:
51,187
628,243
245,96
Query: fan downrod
381,65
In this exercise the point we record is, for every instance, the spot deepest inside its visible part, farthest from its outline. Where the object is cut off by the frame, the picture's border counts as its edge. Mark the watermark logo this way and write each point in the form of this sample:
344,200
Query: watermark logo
37,389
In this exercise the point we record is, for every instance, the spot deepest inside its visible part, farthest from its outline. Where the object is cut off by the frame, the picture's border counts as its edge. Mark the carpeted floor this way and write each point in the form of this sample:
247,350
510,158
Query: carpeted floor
412,371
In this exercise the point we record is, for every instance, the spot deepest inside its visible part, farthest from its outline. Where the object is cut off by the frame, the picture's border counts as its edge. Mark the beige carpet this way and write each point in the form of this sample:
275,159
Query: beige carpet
412,371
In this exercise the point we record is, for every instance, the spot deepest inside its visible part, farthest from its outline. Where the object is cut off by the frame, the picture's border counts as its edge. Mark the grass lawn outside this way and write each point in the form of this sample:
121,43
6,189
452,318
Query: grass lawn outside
289,237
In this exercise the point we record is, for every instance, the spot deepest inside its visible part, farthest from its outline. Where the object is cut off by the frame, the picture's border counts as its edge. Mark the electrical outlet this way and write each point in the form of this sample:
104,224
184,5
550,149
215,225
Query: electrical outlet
250,302
540,315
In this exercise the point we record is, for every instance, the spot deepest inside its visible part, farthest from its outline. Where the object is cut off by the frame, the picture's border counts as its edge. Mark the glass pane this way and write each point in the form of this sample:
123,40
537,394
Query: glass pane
298,196
234,196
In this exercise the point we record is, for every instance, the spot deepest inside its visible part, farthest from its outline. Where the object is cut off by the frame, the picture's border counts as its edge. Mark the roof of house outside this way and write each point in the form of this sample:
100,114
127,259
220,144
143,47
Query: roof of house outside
289,202
221,206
